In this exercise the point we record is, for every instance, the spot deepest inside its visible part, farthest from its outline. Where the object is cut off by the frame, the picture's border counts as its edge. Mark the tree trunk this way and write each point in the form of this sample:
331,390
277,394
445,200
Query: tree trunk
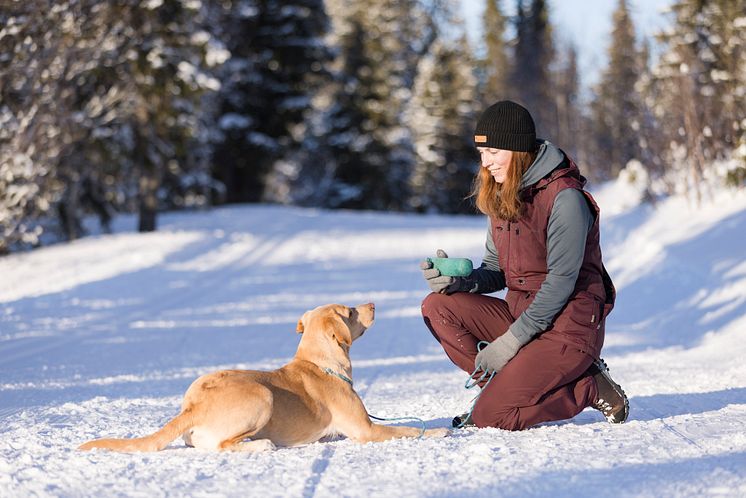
148,201
147,185
68,212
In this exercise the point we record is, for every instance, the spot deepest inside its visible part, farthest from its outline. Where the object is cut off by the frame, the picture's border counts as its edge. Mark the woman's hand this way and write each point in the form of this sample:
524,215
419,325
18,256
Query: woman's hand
498,353
440,284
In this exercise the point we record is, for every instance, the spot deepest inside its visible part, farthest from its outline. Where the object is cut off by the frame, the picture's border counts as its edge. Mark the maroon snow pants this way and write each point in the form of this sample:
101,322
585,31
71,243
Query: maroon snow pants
545,381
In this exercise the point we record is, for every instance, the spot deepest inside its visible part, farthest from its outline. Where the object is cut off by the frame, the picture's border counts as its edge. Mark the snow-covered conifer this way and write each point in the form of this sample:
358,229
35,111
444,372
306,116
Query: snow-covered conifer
616,113
533,54
495,67
702,86
277,61
441,118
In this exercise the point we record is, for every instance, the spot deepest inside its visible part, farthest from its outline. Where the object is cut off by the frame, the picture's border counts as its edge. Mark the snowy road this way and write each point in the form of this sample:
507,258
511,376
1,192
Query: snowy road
102,336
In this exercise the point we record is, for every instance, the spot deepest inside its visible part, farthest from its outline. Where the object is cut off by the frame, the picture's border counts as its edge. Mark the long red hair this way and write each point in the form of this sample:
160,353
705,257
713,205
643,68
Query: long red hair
501,200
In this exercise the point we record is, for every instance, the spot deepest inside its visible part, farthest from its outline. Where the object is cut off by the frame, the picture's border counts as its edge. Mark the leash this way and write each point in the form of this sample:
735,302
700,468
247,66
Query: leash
329,371
471,383
393,419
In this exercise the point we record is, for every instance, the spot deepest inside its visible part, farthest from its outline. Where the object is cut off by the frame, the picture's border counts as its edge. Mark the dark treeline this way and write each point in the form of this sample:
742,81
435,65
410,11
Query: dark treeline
140,106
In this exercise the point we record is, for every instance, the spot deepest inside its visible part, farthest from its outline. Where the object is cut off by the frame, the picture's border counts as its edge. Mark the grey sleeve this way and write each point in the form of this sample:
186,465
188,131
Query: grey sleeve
488,277
568,227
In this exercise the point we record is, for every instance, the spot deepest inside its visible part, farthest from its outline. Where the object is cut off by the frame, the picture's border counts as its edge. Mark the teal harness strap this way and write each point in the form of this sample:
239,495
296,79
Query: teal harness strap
471,383
329,371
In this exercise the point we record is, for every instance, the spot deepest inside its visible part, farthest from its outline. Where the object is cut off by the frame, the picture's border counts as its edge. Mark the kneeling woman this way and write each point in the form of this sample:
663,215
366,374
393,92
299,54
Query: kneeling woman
545,338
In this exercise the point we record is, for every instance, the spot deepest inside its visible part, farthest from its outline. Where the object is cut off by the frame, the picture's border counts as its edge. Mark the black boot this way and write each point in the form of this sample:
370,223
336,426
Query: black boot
611,400
461,421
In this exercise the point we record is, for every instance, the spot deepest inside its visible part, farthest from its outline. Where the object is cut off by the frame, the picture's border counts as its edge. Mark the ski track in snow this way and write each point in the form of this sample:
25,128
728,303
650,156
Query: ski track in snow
102,336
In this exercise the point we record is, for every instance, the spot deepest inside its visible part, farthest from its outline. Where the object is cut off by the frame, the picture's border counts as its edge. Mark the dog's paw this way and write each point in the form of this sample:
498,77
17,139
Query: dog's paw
440,432
253,446
261,445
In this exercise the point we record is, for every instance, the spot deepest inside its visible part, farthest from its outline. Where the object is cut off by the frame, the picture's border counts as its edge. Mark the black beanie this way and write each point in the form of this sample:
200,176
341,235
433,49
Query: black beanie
506,125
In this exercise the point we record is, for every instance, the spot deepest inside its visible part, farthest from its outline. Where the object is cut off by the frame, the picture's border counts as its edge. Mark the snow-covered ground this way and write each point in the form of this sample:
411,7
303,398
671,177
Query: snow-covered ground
102,336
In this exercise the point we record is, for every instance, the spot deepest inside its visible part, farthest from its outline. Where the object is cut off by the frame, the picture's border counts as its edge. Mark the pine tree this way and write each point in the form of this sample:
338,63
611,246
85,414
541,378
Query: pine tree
567,102
519,76
27,120
532,76
701,77
352,157
441,116
160,69
277,62
651,137
359,128
97,93
495,66
616,107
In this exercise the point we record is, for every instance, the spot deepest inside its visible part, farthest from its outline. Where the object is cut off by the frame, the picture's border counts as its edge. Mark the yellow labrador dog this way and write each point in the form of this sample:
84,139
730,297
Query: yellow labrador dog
307,399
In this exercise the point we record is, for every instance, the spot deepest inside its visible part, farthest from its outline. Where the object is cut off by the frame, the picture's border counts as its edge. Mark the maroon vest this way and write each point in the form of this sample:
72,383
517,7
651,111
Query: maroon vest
522,252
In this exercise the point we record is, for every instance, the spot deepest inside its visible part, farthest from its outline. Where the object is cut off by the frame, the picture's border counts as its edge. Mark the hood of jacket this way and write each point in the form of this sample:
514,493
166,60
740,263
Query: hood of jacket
547,160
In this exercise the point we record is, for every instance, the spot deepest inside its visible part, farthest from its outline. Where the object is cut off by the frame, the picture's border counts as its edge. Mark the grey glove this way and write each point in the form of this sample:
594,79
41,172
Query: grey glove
438,283
498,353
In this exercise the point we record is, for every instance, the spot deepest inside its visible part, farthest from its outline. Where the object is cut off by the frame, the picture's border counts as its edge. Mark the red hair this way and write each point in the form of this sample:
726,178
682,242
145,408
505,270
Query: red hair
501,200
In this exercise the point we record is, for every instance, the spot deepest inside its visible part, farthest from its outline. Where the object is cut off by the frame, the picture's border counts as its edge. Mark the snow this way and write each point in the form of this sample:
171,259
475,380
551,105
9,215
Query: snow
232,120
102,336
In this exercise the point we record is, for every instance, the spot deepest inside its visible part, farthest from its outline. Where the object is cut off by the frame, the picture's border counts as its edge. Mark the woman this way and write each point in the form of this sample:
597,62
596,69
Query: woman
545,338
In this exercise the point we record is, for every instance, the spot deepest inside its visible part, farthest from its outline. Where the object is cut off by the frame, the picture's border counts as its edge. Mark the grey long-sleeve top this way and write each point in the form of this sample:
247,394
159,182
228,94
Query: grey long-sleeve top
569,224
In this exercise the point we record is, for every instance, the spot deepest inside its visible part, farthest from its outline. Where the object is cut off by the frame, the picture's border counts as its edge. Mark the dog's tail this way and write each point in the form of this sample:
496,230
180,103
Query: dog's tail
154,442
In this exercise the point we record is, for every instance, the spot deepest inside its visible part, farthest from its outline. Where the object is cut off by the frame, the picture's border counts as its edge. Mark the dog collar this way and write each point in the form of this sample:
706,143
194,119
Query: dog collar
337,374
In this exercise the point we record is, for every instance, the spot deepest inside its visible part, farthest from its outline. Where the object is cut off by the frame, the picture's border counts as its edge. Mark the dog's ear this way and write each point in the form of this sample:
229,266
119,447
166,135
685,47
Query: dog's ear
334,324
301,326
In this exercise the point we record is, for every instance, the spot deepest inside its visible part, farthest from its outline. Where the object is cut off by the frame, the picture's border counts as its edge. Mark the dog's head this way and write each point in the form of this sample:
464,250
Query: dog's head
342,323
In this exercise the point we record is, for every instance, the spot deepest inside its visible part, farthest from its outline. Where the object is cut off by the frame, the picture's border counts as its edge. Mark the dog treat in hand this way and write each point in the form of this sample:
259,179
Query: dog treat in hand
453,267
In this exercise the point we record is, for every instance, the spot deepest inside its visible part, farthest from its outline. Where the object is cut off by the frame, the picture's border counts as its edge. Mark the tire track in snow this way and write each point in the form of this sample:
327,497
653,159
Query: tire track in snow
9,412
114,318
656,415
156,302
198,284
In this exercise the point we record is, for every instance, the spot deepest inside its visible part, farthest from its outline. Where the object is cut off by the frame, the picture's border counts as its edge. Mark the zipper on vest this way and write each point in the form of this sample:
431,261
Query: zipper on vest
508,261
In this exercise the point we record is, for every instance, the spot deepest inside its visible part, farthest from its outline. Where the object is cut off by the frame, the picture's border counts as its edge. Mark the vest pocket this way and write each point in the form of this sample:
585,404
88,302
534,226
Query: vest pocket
580,320
586,310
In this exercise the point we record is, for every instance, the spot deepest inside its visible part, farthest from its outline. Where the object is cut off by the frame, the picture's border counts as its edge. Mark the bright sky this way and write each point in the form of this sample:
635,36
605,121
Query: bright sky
585,22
